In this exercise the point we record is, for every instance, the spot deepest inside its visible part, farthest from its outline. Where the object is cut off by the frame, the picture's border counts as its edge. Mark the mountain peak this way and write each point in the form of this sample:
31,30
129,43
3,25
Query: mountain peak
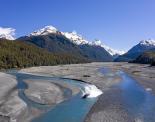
149,42
75,37
7,33
44,31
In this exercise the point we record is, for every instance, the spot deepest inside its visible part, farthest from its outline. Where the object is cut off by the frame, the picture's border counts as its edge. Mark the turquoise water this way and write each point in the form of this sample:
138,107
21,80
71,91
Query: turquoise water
71,110
135,99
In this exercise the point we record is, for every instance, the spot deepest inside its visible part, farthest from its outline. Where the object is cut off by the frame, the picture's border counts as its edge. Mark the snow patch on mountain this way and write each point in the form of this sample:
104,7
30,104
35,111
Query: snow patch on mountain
44,31
7,33
113,52
149,42
75,38
79,40
97,43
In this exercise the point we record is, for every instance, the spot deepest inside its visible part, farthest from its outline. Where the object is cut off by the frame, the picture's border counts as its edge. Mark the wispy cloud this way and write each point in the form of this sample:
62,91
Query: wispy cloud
7,33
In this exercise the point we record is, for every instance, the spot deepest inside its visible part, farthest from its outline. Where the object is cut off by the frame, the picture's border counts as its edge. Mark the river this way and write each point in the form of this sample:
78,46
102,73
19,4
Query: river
139,102
72,110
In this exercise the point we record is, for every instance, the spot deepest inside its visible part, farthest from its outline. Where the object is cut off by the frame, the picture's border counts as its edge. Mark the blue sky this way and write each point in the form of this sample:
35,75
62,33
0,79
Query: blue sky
118,23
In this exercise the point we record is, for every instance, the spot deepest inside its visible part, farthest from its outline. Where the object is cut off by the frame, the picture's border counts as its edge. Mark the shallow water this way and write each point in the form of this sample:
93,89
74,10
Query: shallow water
138,102
72,110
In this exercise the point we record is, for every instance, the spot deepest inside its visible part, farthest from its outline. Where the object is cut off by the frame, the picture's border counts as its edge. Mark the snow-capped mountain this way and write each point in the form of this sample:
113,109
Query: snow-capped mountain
79,40
143,45
75,38
137,50
44,31
149,42
59,42
7,33
113,52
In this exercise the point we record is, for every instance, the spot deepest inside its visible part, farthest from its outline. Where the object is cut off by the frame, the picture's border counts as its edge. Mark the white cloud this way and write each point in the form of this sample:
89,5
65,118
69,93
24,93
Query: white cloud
7,33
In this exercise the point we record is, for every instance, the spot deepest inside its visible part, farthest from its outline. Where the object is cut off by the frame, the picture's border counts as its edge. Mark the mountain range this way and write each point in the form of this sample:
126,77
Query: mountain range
74,45
75,38
56,41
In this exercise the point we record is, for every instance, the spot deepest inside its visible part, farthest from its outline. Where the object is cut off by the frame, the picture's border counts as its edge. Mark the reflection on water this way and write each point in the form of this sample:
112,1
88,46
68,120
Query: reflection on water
135,99
139,102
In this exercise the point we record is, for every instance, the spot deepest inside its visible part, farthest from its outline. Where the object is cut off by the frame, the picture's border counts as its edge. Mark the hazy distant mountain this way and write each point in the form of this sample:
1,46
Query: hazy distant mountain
137,50
71,43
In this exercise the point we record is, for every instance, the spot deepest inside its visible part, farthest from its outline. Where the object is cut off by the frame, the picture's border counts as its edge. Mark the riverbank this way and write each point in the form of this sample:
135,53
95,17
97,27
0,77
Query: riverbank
11,106
43,92
108,104
110,107
143,73
85,72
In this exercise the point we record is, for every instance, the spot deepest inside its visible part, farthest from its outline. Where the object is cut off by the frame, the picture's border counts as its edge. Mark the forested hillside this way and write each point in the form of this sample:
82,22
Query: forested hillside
18,54
146,58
